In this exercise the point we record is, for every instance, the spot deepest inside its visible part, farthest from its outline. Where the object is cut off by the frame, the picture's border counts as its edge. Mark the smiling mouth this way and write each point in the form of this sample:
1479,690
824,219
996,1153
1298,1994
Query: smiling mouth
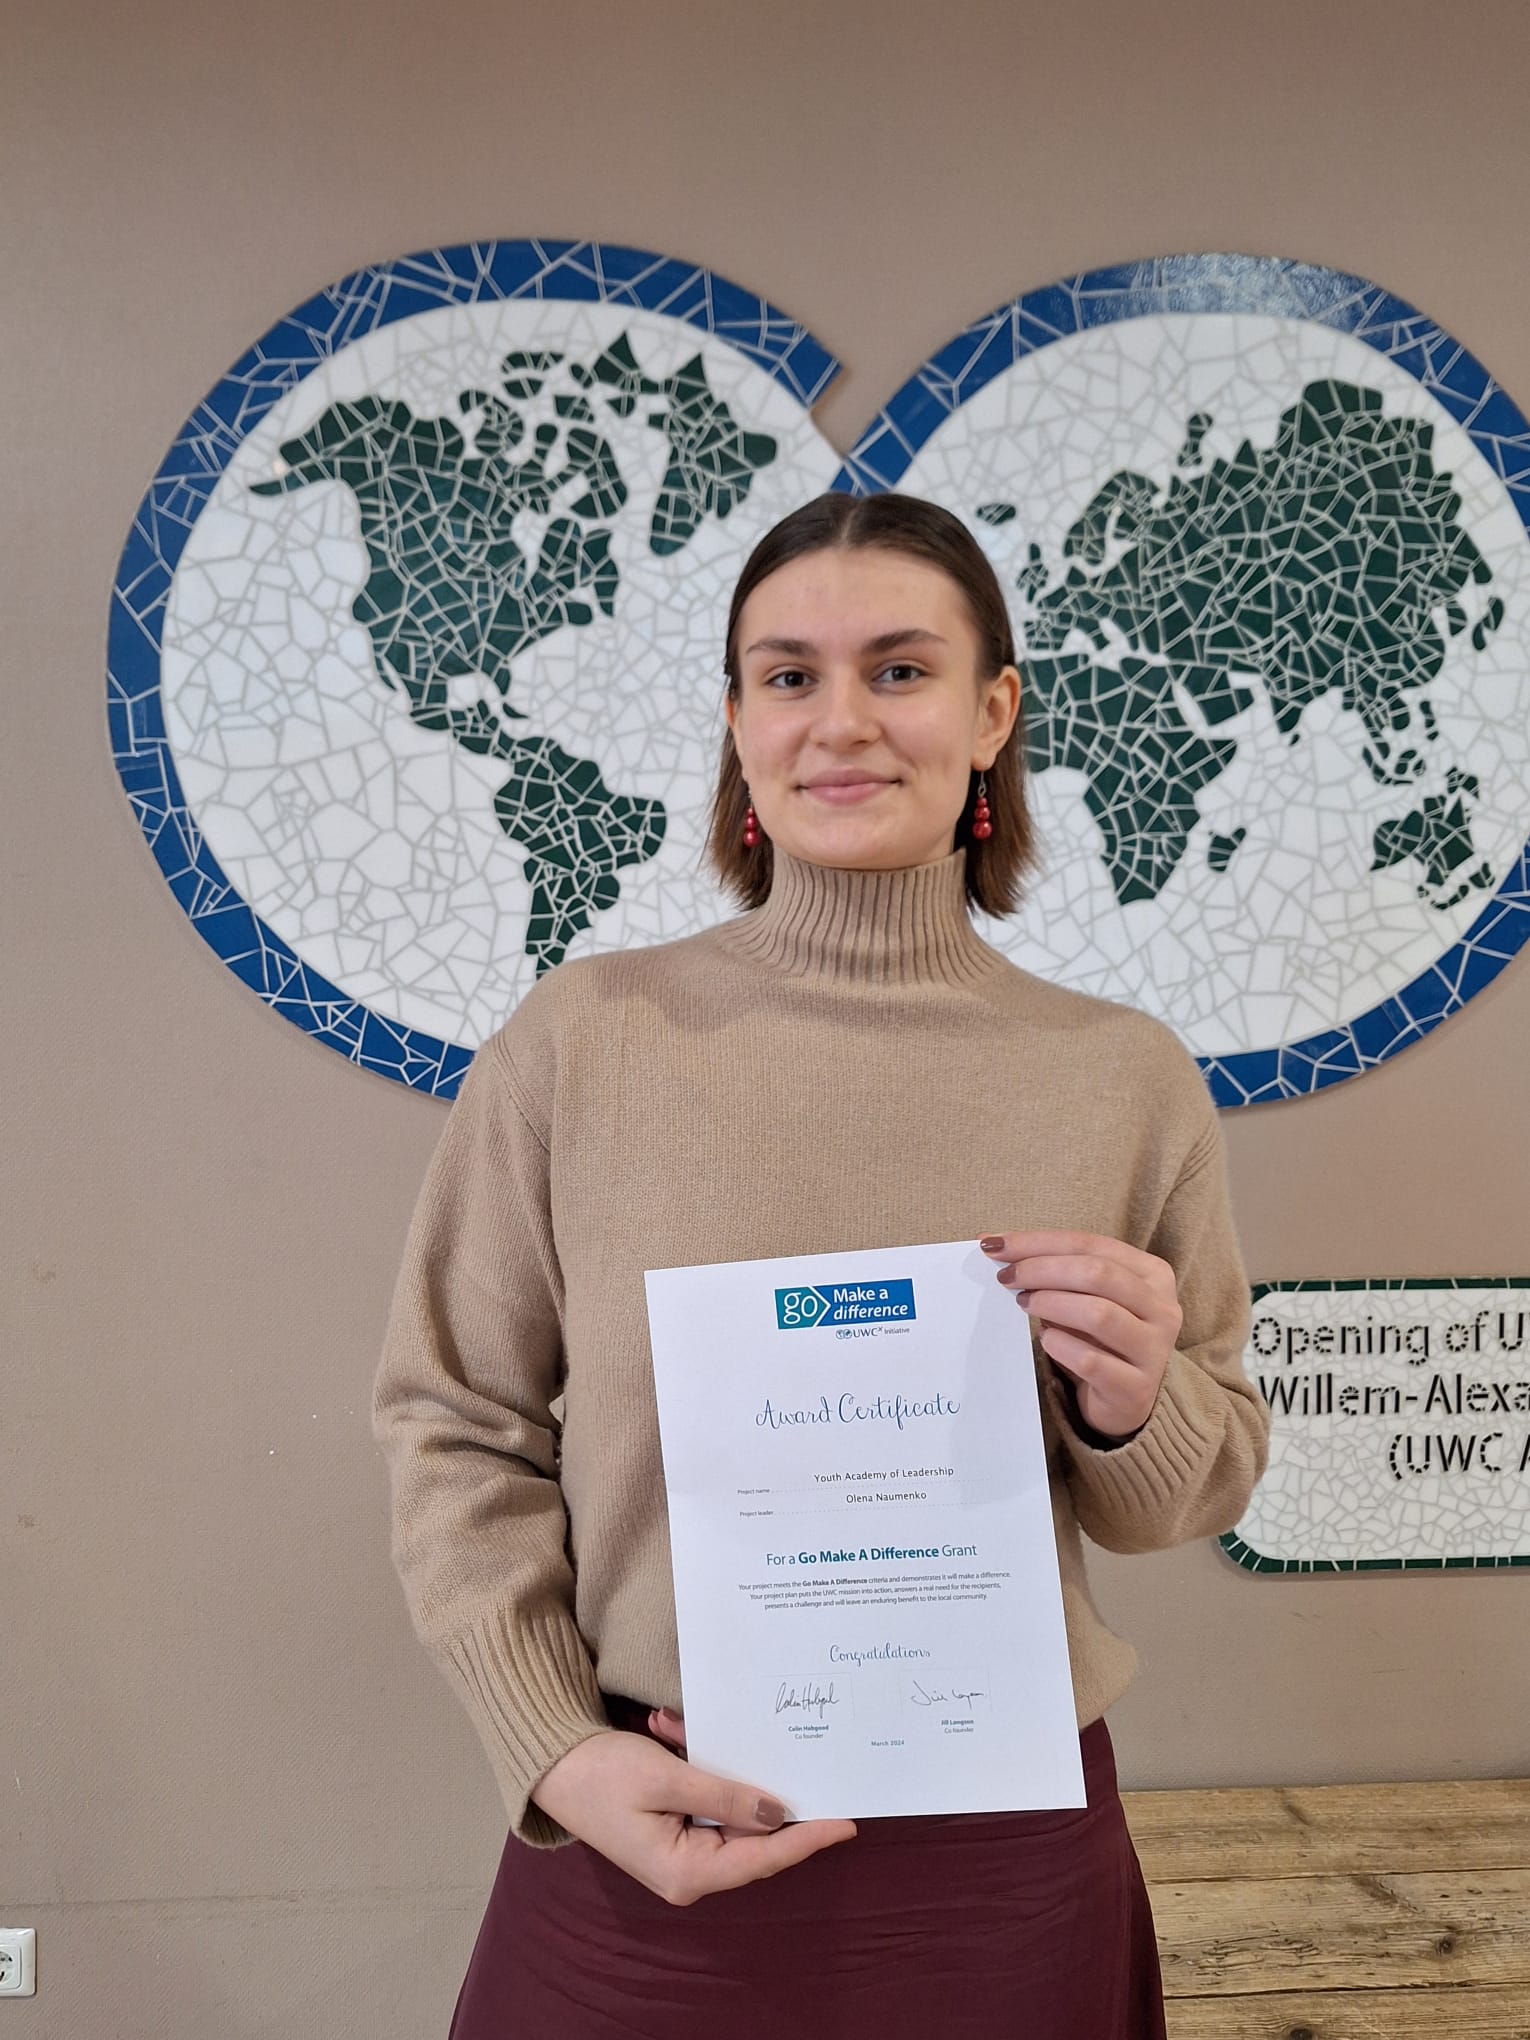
845,792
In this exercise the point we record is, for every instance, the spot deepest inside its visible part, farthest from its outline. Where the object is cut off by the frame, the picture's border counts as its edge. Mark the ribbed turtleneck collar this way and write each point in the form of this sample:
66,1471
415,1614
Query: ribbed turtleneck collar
868,927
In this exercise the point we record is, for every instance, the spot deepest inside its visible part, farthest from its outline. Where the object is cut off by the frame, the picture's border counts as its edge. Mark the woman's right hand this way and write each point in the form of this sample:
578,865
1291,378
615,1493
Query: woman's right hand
628,1797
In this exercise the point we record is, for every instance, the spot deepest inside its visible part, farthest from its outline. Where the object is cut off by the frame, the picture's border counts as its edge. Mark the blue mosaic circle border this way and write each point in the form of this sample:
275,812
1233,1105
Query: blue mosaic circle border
1452,376
474,273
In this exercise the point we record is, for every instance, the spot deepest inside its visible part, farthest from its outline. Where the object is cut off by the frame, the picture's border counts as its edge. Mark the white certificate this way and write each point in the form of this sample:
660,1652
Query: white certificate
866,1583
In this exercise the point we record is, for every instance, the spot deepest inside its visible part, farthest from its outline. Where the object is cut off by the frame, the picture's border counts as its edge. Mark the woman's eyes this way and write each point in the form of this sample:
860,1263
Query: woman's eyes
789,677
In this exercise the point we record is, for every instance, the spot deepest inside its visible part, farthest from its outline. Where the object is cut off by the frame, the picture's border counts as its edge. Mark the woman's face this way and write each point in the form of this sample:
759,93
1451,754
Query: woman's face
861,712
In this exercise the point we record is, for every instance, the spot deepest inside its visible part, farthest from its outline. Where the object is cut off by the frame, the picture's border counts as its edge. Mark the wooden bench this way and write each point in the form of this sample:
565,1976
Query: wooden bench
1341,1912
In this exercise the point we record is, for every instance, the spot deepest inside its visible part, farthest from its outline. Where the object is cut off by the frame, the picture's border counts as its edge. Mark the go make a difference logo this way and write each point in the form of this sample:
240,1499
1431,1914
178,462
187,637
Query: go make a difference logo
844,1303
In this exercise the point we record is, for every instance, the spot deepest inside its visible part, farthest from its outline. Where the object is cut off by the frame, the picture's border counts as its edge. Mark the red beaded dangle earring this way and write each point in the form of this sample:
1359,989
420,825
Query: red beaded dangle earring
751,829
982,820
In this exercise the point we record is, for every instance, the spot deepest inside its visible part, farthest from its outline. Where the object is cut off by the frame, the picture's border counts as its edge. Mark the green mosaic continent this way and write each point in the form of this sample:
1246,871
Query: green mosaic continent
1318,564
452,596
1438,833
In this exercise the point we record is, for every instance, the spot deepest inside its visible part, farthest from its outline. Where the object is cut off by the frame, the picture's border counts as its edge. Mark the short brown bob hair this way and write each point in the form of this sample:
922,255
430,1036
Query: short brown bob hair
904,524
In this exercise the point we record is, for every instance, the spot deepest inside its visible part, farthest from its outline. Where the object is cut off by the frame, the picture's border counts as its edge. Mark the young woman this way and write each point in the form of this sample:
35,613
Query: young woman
845,1065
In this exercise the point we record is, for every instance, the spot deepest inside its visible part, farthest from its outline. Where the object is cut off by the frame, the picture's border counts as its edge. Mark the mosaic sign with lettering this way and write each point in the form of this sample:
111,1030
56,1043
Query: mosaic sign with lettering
1400,1435
415,649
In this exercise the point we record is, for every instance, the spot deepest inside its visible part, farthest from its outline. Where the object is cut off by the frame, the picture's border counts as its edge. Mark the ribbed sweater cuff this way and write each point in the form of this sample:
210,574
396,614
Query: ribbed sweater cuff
526,1679
1149,1472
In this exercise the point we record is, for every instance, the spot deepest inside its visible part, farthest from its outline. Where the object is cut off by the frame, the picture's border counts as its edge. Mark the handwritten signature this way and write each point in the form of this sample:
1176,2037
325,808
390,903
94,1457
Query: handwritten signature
920,1698
809,1699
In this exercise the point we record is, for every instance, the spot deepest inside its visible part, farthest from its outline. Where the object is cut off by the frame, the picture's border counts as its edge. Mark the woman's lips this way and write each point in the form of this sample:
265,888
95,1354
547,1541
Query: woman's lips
847,794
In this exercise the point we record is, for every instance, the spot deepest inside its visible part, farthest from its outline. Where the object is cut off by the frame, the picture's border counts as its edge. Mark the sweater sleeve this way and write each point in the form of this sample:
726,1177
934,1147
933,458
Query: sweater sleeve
1191,1468
472,1359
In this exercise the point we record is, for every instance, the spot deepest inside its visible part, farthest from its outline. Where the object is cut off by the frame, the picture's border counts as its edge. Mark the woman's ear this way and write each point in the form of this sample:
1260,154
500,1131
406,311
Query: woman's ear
1001,708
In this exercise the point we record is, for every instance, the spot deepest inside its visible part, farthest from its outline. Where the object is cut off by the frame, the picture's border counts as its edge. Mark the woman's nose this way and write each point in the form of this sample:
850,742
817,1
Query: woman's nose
846,712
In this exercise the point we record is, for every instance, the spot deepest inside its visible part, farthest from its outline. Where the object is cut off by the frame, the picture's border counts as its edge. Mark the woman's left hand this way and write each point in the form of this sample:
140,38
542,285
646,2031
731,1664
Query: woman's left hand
1109,1315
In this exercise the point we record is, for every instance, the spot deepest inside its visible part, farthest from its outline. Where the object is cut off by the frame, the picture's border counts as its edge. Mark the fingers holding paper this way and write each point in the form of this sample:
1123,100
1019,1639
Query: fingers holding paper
635,1802
669,1727
1108,1317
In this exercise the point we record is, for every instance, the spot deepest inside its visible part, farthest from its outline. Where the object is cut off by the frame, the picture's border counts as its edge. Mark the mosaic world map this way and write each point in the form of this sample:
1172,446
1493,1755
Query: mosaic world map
415,657
1317,564
451,594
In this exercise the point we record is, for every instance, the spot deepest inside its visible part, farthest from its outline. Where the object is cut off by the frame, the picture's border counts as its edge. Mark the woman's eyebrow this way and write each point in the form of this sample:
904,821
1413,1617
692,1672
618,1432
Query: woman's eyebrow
889,641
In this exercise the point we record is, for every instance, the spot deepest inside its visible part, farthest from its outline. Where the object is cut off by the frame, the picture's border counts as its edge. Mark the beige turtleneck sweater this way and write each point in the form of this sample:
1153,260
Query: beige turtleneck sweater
848,1066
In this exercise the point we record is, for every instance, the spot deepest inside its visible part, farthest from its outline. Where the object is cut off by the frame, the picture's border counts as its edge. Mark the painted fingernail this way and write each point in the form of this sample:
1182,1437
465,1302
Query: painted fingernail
769,1813
992,1244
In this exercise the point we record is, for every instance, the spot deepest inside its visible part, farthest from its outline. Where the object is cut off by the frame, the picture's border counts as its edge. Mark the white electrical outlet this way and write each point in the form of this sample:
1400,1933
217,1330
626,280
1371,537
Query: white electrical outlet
18,1961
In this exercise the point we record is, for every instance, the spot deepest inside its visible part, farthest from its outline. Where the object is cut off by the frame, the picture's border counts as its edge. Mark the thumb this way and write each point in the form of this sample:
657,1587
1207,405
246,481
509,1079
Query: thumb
724,1800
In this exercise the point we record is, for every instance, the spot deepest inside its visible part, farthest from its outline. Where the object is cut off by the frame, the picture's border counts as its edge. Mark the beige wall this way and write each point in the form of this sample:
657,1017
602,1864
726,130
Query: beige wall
235,1799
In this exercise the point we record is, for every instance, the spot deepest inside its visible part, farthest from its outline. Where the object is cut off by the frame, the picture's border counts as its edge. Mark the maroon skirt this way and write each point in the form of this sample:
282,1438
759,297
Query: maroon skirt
1008,1926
